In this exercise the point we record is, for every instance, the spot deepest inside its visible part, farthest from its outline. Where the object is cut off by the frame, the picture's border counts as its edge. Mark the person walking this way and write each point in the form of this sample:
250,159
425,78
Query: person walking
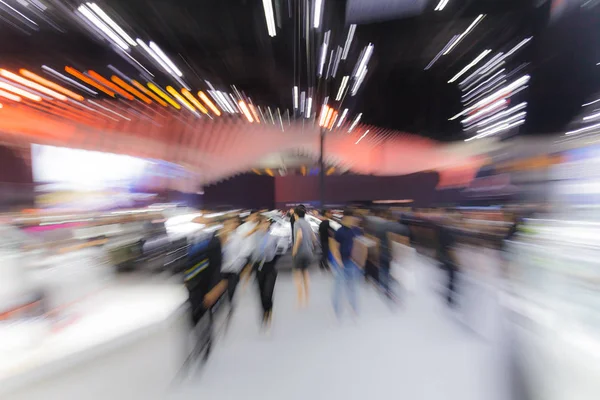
346,272
324,234
233,258
302,254
265,258
381,226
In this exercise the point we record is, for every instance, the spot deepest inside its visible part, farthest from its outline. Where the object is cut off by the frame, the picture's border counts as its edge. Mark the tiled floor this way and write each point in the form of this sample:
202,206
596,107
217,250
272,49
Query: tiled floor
417,351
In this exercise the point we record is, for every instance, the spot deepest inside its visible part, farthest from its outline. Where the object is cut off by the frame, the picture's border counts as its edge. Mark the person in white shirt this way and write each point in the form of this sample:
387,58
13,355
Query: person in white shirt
233,260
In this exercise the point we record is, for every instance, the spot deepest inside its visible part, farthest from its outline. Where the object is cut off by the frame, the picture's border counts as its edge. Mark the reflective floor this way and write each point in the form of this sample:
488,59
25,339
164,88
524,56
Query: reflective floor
419,350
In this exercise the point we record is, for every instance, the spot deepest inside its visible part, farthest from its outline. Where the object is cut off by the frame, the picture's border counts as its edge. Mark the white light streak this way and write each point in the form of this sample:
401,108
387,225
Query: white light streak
348,41
342,118
317,14
324,110
322,59
342,88
590,103
268,6
500,93
155,57
295,95
478,70
450,42
481,112
336,64
499,82
355,122
166,59
484,82
112,23
505,56
470,65
364,60
361,138
499,115
590,117
359,82
441,5
496,130
102,26
15,10
308,107
109,110
302,101
584,129
503,122
465,33
68,80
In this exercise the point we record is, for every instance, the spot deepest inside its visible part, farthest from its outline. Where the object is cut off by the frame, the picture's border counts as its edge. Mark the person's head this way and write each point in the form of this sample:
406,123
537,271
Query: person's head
253,216
291,211
264,225
326,214
349,219
300,212
230,225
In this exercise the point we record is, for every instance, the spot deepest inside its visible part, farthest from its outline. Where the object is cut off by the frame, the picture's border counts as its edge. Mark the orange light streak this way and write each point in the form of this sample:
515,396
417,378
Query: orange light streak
109,84
245,110
209,103
149,93
89,81
194,101
50,84
130,89
24,93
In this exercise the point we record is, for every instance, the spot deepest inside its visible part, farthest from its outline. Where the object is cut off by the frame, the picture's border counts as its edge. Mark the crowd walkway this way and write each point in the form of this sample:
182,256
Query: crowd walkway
418,350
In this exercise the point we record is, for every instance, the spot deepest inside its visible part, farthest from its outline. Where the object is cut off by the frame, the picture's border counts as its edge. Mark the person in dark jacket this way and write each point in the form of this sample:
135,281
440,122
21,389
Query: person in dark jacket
447,242
324,235
265,258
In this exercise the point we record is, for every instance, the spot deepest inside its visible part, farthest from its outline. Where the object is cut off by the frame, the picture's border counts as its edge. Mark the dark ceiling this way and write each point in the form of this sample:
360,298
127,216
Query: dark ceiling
226,42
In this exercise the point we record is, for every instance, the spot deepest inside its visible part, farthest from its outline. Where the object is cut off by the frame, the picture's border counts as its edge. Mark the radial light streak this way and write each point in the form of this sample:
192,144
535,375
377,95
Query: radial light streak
590,103
317,14
109,110
481,112
478,70
441,5
342,118
500,93
336,63
103,27
505,56
464,34
499,82
584,129
328,117
308,107
87,80
359,81
506,121
484,82
333,119
590,117
499,115
268,7
32,85
364,60
470,65
20,92
355,122
109,84
188,95
155,57
166,59
348,41
501,128
130,89
180,99
362,137
17,11
322,58
254,113
245,111
324,111
165,96
209,103
111,23
295,97
148,93
10,96
342,88
454,38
